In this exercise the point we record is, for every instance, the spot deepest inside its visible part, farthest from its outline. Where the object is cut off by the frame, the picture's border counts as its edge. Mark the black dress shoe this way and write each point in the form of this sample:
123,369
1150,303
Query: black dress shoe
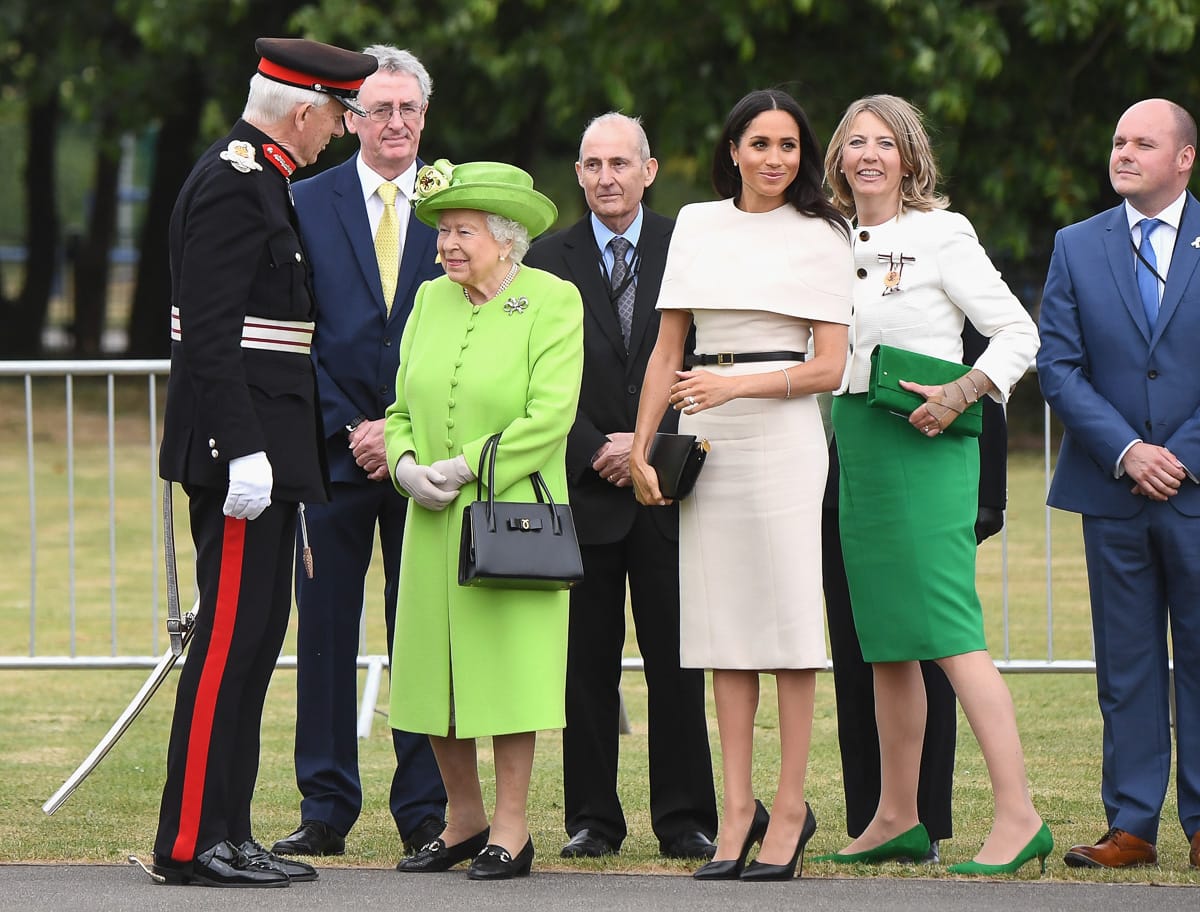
253,850
220,866
761,871
688,845
437,856
588,844
313,837
495,863
429,829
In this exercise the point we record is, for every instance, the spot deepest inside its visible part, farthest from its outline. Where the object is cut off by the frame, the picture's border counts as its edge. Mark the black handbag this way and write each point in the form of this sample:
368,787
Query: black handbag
508,545
677,458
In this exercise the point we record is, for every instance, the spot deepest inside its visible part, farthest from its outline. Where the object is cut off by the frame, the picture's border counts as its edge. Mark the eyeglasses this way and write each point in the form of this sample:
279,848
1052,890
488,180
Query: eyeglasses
409,112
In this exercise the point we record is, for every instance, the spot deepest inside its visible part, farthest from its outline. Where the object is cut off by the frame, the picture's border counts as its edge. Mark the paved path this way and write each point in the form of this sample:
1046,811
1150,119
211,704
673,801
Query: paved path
110,888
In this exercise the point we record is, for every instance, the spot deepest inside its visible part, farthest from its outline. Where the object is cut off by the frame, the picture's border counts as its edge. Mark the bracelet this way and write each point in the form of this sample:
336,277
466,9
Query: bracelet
788,394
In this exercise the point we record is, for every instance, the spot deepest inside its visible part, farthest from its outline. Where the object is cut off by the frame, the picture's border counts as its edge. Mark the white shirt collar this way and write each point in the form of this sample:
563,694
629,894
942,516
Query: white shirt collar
371,180
1170,216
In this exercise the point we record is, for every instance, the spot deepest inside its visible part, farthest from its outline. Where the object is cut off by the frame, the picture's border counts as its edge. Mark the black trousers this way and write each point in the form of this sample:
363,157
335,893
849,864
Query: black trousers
858,737
244,574
682,798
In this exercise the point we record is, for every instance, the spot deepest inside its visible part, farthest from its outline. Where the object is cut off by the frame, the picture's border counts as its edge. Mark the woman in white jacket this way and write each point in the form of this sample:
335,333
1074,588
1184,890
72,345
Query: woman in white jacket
907,494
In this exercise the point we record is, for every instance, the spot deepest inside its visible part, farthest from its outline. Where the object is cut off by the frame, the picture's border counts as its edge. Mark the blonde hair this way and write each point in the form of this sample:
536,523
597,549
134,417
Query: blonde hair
918,185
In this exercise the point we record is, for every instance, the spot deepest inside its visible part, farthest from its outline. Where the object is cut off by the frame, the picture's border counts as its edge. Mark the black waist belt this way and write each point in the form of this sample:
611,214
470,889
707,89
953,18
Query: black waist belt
726,358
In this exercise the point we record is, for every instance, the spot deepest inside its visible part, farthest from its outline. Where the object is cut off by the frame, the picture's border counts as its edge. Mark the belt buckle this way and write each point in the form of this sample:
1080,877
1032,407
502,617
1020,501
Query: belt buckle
724,359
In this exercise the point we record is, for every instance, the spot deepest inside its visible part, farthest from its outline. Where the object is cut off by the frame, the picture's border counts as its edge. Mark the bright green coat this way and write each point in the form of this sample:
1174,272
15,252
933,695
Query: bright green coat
511,366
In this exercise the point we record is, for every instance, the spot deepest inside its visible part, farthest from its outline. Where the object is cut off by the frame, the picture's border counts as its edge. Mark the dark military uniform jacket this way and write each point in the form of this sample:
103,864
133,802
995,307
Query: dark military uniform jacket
236,253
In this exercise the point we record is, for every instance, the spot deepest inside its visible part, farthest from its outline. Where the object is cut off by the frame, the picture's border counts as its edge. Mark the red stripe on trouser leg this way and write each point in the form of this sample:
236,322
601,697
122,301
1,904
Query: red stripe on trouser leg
224,617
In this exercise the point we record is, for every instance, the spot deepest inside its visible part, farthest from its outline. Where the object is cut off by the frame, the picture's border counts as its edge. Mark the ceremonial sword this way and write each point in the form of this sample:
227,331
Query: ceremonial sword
179,629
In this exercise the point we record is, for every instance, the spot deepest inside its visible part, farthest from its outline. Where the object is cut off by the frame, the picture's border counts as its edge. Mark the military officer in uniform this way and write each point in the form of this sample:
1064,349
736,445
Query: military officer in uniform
242,434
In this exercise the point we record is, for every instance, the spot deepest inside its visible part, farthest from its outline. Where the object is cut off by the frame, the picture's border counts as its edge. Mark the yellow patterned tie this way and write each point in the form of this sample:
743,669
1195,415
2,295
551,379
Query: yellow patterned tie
387,243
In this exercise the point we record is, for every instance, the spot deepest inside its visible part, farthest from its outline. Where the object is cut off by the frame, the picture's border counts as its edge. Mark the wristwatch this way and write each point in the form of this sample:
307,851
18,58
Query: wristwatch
355,422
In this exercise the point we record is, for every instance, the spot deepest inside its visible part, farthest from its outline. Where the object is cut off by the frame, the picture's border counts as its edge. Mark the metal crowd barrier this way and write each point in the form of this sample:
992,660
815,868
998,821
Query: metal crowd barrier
87,504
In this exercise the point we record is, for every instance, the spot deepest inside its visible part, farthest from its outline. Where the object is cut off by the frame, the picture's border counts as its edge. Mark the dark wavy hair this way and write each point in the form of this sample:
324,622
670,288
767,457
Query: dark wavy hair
805,193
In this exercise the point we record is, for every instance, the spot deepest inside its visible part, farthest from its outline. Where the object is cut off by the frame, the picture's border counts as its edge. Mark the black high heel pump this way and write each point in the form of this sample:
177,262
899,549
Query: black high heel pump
731,868
760,871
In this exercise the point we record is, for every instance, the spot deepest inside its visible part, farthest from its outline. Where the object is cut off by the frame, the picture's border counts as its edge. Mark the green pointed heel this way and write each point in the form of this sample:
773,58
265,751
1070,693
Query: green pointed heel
1039,847
911,844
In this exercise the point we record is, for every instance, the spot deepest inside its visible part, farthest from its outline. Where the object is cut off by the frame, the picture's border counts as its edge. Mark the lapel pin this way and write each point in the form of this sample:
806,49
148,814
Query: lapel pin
1196,243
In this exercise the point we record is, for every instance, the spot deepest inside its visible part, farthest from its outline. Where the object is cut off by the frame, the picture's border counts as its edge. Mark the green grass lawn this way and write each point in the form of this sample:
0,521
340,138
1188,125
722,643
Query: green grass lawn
50,720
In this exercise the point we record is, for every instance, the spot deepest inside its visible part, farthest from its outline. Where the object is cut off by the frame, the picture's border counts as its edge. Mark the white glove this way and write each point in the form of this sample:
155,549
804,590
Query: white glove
250,482
421,483
456,470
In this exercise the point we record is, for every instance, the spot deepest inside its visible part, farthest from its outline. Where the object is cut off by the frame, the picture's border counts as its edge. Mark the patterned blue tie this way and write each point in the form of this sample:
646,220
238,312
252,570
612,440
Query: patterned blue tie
1147,278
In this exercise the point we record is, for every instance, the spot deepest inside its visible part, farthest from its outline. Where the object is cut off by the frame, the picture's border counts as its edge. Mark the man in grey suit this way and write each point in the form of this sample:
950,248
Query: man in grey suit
615,256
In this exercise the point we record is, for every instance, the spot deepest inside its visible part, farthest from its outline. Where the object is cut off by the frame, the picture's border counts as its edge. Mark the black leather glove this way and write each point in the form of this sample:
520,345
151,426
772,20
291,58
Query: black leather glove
988,523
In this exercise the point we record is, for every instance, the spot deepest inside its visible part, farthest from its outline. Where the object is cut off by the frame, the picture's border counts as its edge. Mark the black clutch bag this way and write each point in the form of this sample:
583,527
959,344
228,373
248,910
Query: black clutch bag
677,458
891,365
508,545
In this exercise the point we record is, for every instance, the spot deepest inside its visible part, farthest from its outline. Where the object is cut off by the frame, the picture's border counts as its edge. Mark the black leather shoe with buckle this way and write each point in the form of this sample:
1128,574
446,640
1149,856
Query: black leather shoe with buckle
219,866
496,863
437,856
425,832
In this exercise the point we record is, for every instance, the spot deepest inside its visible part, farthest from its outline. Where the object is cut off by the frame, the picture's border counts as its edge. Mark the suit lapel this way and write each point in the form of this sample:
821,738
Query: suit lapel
582,259
419,248
1119,253
1183,264
351,211
652,247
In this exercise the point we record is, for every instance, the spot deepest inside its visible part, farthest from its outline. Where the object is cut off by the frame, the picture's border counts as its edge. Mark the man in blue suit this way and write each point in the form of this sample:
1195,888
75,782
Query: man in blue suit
343,223
1120,321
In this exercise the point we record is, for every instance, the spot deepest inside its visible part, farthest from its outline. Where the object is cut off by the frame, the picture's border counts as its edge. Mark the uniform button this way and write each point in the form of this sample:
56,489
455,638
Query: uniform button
449,422
387,342
212,442
631,389
454,381
862,273
1153,375
215,454
458,363
864,235
449,443
297,256
450,403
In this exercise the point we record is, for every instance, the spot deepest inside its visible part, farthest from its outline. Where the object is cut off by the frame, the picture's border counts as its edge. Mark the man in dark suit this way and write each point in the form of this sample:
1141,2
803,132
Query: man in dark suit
1119,322
615,257
369,256
853,681
242,435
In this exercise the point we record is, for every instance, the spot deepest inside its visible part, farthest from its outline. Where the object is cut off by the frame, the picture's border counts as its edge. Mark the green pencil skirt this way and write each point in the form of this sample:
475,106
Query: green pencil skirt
908,505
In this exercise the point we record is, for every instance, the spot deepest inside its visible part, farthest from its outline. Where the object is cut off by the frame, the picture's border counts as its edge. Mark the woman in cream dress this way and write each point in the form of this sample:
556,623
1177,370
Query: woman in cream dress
759,273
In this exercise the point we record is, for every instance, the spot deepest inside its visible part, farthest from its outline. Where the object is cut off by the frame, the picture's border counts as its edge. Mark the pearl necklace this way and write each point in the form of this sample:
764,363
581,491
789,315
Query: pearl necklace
512,274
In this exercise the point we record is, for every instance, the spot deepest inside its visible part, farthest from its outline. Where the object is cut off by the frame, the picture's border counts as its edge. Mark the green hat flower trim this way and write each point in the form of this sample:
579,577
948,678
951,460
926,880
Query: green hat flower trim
433,178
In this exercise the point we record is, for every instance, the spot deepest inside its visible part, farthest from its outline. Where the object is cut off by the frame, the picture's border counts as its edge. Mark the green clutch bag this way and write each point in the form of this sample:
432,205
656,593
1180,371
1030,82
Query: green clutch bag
891,365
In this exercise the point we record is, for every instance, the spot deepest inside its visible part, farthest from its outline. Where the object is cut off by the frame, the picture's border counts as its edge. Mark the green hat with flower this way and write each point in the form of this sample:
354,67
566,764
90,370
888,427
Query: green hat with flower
492,187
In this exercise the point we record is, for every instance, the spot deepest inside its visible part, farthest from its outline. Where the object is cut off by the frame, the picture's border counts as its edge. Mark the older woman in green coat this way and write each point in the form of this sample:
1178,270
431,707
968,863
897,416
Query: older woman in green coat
491,347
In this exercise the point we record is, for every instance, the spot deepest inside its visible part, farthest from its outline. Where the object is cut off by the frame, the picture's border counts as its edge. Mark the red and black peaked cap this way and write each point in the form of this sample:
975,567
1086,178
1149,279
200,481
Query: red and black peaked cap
312,65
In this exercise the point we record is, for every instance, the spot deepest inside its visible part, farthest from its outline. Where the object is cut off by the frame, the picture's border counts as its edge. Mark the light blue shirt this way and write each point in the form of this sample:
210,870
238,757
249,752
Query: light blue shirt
604,235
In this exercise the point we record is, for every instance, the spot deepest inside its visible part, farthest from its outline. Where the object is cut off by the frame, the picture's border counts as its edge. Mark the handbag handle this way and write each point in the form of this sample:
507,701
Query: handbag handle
540,489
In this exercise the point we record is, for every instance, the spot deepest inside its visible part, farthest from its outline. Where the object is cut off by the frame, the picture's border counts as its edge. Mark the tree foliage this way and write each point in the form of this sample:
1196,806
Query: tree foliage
1021,95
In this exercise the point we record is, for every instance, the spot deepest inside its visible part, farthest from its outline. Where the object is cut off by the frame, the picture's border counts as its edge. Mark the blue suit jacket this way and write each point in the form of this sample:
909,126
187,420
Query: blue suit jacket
356,346
1107,374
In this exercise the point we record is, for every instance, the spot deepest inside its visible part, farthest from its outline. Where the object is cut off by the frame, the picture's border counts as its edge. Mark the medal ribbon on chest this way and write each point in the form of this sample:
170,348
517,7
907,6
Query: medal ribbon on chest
896,263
